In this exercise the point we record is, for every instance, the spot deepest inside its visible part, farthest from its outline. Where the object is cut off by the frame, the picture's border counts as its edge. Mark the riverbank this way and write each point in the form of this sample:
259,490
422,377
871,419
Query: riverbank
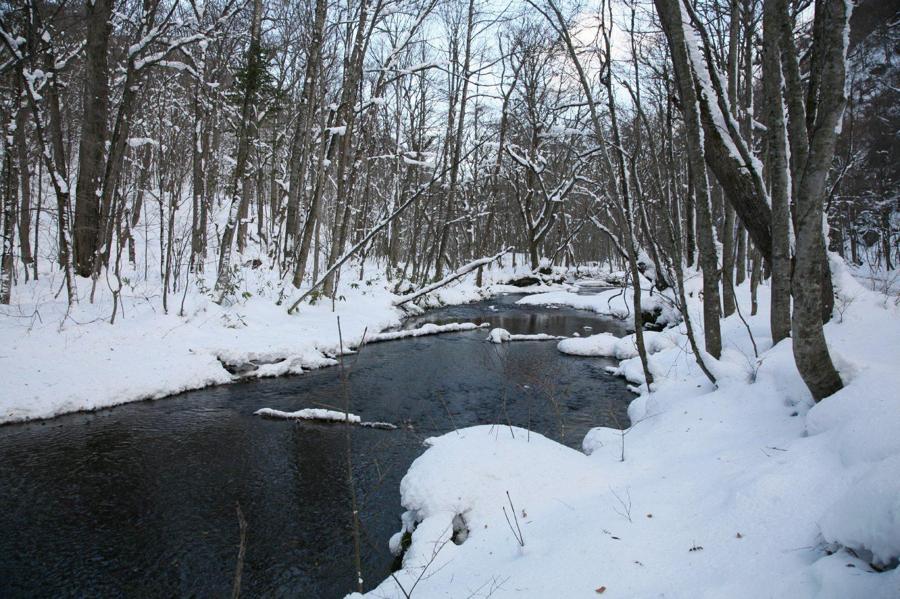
53,363
141,498
744,490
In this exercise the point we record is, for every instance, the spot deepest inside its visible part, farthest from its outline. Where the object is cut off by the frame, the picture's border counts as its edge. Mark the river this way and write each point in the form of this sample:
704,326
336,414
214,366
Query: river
140,499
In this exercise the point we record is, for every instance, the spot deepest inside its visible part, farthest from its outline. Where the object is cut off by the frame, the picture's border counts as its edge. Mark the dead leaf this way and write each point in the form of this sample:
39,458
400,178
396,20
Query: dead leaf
600,590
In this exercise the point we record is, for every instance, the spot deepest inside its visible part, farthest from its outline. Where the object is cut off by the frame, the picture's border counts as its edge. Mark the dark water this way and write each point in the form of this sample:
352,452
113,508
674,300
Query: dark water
139,500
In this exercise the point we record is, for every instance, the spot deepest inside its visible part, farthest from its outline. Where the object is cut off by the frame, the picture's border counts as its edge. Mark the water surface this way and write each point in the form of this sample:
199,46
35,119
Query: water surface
140,499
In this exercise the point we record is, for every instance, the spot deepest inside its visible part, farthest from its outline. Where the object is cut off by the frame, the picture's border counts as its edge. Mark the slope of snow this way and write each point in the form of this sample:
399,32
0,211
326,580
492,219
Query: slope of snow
54,362
88,364
745,490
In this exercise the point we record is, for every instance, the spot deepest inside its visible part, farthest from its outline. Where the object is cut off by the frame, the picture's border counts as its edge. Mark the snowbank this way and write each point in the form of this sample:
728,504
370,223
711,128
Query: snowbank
609,346
54,362
745,490
617,302
88,364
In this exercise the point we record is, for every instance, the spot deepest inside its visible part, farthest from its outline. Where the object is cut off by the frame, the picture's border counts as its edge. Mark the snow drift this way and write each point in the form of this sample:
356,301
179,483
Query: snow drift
744,490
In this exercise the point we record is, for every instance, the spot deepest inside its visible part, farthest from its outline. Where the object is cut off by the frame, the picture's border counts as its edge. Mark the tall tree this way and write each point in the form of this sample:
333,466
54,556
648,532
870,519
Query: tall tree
826,99
92,148
686,77
252,78
778,169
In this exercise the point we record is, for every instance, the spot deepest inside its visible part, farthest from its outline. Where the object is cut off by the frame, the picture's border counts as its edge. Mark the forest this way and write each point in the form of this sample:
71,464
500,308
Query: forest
199,192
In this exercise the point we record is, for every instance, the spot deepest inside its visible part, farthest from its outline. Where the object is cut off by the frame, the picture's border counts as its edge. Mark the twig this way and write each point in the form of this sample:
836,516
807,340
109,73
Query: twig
517,531
625,503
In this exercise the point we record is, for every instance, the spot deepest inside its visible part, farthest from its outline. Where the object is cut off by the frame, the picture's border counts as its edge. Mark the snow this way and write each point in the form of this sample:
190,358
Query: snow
499,335
747,489
89,364
621,348
426,329
868,515
310,414
136,142
610,302
322,415
413,162
55,362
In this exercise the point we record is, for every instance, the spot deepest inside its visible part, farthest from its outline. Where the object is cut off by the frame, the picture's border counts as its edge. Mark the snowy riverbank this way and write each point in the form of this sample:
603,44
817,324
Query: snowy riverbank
748,490
51,364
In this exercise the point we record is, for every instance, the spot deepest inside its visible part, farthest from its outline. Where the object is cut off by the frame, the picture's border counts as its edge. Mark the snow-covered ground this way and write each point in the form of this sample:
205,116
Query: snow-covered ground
51,364
745,490
612,302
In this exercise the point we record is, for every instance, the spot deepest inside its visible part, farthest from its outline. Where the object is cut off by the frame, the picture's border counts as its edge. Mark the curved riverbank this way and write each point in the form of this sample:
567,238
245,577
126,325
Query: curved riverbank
57,362
140,499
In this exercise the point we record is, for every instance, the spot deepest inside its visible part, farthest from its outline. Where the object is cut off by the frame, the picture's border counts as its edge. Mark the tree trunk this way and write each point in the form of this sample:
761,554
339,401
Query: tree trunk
236,187
832,22
670,14
741,261
777,155
301,150
25,186
95,113
728,298
726,152
8,197
755,275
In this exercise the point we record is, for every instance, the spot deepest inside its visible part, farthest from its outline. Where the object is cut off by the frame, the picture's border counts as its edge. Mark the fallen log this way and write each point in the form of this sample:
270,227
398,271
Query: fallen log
463,271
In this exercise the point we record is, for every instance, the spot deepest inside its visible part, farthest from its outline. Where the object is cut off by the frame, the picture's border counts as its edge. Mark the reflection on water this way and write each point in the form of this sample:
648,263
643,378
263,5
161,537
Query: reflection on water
139,500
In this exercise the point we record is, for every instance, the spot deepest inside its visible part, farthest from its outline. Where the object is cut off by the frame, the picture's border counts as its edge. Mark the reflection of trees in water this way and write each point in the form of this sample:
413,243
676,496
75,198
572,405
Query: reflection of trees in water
552,394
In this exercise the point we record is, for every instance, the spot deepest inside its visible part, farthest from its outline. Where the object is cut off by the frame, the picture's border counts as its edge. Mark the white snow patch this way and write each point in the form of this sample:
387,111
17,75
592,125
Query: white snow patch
746,490
499,335
426,329
621,348
310,414
322,415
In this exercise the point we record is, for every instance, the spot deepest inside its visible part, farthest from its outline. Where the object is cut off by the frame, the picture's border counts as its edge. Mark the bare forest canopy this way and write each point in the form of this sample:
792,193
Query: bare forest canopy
665,137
